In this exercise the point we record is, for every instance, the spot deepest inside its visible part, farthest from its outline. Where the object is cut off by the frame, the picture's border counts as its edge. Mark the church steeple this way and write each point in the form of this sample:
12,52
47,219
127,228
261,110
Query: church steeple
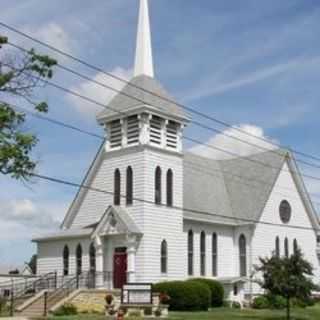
144,60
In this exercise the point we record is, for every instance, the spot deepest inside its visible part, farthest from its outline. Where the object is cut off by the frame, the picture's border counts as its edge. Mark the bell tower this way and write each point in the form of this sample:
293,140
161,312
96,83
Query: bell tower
143,113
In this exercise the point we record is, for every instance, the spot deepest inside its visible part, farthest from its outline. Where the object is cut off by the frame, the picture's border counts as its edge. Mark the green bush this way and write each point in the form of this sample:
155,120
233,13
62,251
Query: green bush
276,302
186,295
235,305
260,302
66,309
217,291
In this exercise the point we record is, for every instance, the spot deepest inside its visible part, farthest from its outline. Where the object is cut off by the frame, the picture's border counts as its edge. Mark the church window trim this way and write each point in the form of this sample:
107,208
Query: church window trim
66,256
277,247
129,182
190,252
202,253
92,258
169,188
117,188
214,254
157,186
79,259
243,255
164,257
295,246
286,247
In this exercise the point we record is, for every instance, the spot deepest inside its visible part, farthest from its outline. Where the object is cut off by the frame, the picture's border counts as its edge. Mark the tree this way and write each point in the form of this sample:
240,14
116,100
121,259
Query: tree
287,277
33,264
20,75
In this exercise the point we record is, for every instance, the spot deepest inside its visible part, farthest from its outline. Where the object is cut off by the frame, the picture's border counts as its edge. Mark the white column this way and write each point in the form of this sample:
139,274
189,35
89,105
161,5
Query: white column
131,258
99,262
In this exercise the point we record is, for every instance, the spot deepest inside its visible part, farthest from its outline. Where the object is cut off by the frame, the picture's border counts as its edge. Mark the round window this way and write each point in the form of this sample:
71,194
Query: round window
285,211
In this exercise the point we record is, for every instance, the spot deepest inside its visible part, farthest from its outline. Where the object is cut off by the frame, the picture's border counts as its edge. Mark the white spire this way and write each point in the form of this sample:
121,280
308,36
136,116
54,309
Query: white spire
144,61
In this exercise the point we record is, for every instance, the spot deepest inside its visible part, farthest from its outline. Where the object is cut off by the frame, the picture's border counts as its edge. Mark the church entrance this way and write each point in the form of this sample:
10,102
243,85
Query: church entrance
119,267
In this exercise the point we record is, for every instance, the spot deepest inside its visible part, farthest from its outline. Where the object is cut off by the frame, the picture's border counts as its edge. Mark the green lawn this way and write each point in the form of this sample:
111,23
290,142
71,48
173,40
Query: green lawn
226,314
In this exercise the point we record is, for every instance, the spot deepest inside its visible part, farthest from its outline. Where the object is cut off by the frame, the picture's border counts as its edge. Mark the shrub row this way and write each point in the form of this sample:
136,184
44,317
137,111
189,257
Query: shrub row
277,302
192,295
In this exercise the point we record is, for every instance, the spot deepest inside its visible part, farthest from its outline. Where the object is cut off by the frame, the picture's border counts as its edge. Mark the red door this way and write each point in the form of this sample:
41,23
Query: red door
119,269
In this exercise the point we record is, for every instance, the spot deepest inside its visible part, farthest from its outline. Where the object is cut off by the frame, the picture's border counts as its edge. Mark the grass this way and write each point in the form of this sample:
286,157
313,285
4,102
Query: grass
224,314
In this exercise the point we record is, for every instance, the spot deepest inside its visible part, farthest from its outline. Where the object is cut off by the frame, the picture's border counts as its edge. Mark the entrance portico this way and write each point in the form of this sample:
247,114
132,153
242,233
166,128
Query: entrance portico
116,239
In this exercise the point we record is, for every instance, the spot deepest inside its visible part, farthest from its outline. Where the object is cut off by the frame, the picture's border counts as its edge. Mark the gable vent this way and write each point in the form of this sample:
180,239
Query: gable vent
155,130
172,135
115,134
133,130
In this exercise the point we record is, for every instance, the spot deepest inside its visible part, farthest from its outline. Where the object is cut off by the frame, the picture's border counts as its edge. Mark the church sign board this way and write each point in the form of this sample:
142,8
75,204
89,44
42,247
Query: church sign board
136,293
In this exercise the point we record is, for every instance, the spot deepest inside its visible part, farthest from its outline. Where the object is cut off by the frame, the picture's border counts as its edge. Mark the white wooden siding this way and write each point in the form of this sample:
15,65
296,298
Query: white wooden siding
263,242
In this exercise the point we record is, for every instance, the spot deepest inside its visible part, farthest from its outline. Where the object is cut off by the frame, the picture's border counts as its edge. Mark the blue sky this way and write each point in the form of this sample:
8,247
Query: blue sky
249,63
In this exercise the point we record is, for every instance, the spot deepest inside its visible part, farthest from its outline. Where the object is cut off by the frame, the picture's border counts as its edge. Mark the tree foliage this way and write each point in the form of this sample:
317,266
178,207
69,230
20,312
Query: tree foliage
33,264
287,277
20,75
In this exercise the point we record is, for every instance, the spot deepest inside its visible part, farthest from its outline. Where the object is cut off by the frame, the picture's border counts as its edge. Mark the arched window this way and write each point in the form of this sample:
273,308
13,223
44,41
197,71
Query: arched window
203,253
117,188
164,257
190,253
286,247
129,186
277,247
295,246
243,255
92,257
169,188
79,259
157,186
66,260
214,255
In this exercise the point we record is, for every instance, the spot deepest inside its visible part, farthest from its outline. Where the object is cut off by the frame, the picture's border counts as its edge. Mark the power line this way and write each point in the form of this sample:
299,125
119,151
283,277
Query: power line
197,123
51,120
105,106
190,163
244,220
192,110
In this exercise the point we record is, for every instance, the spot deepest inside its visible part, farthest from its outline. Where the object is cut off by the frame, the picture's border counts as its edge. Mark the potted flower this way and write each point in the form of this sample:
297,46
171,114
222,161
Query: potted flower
109,304
164,298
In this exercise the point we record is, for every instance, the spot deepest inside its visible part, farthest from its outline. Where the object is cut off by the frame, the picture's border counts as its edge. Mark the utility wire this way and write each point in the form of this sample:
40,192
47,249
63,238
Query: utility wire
237,219
192,110
105,106
190,164
197,123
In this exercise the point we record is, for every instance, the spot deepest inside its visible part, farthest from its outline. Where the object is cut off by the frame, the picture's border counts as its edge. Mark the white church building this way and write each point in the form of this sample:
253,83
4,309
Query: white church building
156,212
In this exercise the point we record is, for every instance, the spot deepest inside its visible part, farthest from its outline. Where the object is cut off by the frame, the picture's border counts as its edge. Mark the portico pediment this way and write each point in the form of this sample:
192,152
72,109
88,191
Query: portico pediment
115,221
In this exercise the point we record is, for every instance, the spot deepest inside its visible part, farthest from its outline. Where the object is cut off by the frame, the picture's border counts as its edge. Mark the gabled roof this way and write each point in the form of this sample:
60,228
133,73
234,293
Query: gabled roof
250,180
238,188
152,95
205,191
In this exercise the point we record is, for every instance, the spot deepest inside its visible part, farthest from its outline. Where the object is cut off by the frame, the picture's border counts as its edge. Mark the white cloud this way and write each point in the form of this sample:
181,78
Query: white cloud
23,218
242,140
98,92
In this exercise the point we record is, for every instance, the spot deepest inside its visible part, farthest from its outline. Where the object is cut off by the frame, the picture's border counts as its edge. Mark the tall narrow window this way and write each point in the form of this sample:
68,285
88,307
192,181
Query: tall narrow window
190,253
203,253
129,197
295,246
169,188
157,186
79,259
66,260
164,257
214,255
277,252
92,258
286,247
117,188
243,255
